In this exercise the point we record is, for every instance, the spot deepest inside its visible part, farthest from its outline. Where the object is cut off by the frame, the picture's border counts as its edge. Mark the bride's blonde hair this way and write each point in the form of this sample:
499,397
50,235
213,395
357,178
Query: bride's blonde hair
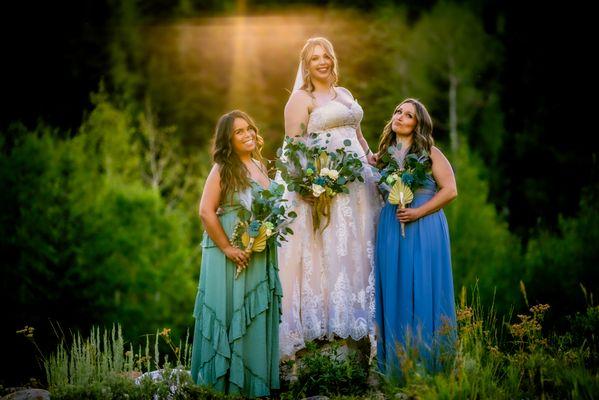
305,56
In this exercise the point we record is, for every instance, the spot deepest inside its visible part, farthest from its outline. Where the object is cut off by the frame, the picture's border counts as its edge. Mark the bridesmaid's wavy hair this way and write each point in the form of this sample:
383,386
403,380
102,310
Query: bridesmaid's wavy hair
422,139
234,176
305,56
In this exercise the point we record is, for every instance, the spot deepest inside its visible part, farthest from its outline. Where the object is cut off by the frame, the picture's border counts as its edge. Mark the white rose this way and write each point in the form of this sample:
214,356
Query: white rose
391,179
317,190
269,228
324,172
333,174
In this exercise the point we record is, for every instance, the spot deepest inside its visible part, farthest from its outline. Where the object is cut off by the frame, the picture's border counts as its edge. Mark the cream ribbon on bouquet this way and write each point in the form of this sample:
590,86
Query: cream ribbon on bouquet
253,244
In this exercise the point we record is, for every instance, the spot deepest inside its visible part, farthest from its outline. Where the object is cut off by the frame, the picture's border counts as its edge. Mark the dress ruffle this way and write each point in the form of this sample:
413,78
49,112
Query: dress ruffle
221,365
214,343
256,301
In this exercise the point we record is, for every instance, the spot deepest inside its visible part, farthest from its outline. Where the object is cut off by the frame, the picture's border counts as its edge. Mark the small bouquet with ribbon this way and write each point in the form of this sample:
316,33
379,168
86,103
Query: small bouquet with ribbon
401,175
262,219
312,170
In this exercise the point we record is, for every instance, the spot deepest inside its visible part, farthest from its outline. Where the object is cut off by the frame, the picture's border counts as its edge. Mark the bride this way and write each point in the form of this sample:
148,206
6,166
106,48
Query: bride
327,277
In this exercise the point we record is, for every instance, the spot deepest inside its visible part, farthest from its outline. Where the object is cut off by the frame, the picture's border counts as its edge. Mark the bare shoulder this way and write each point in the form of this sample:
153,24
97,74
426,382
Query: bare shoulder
436,153
299,98
438,158
215,172
260,165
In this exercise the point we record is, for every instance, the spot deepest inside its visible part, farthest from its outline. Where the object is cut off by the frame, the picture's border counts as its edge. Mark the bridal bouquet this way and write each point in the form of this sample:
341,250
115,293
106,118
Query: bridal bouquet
311,170
402,175
262,219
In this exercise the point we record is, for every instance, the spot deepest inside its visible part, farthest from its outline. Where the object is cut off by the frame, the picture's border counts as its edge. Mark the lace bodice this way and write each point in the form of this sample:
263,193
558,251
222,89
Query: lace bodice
336,122
335,114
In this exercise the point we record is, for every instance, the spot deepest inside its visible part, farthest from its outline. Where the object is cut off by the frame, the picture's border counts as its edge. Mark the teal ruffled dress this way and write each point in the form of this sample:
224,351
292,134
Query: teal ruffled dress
236,336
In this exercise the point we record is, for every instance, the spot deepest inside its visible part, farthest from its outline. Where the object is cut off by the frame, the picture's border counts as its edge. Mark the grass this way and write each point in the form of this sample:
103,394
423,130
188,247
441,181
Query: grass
102,355
512,358
328,372
507,360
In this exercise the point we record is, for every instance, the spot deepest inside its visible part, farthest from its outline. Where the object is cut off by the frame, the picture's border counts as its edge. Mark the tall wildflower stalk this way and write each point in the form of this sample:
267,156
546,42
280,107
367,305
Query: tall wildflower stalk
102,354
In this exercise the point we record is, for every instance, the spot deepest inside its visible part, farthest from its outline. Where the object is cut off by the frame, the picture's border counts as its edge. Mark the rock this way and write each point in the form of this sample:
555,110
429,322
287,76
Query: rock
28,394
374,379
341,352
288,371
131,374
378,395
175,378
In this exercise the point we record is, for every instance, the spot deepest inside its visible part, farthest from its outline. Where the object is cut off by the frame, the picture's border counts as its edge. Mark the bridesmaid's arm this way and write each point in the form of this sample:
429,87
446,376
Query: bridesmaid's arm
208,207
297,113
443,174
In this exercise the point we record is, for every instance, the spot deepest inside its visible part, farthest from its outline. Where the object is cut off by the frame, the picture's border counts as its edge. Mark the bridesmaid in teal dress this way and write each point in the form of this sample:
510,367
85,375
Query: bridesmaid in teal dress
415,309
236,340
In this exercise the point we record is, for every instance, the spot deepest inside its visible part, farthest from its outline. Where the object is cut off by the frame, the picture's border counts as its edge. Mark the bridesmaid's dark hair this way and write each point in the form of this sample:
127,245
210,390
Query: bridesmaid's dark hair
422,135
234,176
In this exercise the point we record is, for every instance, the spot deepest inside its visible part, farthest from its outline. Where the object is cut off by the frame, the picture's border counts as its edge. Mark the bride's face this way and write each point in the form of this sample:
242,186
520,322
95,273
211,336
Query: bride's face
404,119
244,137
320,65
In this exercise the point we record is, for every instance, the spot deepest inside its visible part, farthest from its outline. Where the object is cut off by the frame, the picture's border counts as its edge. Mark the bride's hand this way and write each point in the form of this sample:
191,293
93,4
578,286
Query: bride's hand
372,159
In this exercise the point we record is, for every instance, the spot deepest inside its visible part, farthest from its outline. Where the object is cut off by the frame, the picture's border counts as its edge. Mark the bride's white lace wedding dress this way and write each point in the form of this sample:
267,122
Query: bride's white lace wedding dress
327,277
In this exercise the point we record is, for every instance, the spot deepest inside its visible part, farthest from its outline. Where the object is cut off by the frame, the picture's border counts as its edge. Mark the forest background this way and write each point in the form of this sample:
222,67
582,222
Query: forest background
110,107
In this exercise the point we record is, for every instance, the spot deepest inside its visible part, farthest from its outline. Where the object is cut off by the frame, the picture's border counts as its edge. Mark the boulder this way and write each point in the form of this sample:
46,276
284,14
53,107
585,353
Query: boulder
28,394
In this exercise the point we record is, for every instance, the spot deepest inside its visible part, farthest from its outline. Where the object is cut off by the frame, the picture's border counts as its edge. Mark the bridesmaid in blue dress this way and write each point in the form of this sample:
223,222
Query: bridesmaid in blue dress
415,309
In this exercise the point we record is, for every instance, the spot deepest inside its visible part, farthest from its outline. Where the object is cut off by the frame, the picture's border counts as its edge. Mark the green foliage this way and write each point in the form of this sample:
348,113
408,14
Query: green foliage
102,355
306,161
379,52
327,372
411,168
88,360
104,366
450,49
556,265
193,392
127,55
107,134
136,259
489,364
482,247
584,328
87,240
102,226
122,387
267,212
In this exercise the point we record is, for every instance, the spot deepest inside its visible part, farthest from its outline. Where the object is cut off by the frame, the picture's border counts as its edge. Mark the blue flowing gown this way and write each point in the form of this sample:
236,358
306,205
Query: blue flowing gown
415,309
